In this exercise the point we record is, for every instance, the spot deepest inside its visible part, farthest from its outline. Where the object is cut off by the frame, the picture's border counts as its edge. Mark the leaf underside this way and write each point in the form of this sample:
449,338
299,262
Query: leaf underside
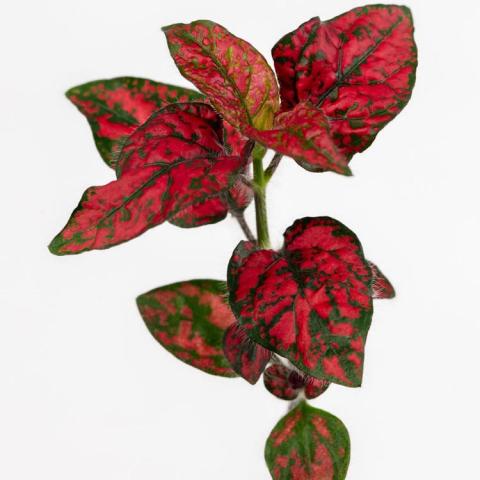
308,444
189,319
246,357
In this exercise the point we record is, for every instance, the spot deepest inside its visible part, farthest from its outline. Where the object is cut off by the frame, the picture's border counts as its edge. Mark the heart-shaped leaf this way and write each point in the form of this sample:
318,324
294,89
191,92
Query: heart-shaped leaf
381,286
246,357
358,69
174,161
189,319
235,76
115,107
304,134
311,302
308,444
287,384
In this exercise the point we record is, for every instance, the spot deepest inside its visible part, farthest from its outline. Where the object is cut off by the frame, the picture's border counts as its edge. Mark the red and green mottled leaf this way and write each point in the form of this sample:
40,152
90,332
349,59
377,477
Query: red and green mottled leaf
246,357
235,76
115,107
381,286
308,444
358,69
189,319
287,384
304,134
172,162
310,302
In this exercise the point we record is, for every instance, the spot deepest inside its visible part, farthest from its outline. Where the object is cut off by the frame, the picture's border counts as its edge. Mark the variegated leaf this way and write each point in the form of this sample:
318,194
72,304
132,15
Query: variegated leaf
308,444
172,162
358,69
304,135
236,78
189,319
310,302
115,107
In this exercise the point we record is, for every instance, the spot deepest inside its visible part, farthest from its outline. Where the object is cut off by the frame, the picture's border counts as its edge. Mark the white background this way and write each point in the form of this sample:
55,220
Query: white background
86,393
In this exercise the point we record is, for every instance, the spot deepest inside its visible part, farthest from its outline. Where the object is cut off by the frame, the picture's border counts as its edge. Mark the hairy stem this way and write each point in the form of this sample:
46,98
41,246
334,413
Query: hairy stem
240,217
260,203
270,170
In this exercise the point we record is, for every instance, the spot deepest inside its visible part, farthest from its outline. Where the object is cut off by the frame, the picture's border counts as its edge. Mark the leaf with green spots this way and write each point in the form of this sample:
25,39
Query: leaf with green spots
310,302
308,444
174,161
235,77
189,320
358,69
115,107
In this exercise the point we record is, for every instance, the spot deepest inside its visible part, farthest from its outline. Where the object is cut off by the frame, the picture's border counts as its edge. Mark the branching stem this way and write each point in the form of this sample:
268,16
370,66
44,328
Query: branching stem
260,203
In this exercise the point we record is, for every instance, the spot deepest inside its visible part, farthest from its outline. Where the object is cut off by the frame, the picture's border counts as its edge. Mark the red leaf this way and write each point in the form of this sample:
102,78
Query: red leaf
310,302
234,75
247,358
308,444
189,319
304,134
114,108
287,384
358,69
172,162
381,286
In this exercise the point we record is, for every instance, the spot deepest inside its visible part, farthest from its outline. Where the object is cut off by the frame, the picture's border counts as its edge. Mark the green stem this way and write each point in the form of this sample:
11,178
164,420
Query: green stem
260,203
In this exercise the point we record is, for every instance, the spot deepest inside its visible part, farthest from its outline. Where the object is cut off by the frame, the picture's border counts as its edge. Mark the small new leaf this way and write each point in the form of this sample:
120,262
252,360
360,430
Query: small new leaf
304,134
189,319
308,444
287,384
381,286
310,302
246,357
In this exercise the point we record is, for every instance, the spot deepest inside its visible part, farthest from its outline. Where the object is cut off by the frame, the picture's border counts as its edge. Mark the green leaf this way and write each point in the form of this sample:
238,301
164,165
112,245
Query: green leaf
189,319
308,444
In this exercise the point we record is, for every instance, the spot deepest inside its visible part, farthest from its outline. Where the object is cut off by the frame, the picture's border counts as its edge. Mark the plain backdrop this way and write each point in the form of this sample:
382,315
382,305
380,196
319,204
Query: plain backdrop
86,393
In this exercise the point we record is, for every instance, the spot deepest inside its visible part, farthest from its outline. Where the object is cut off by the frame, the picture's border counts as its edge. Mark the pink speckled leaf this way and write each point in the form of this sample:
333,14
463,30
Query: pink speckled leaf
189,319
172,162
236,78
309,302
358,69
115,108
308,444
